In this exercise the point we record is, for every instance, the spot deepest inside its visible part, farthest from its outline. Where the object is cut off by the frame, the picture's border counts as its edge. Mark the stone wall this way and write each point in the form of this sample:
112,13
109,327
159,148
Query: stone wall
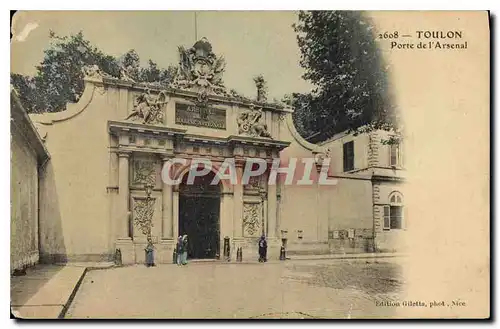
75,220
27,156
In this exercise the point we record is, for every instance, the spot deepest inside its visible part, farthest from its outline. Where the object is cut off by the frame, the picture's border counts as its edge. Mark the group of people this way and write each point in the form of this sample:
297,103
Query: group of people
182,249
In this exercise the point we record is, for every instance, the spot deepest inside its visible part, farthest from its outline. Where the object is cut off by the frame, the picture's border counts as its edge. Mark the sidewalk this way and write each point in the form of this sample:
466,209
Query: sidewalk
45,291
253,260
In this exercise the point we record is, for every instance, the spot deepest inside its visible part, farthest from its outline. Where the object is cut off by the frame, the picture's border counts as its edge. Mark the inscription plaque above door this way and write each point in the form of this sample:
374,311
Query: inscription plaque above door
193,115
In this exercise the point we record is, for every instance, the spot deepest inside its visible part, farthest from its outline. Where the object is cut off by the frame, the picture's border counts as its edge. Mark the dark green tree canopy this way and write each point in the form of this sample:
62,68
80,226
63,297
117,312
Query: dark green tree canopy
342,60
59,77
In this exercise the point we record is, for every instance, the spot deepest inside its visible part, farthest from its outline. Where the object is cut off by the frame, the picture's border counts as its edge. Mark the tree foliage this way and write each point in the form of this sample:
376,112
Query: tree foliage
59,77
342,61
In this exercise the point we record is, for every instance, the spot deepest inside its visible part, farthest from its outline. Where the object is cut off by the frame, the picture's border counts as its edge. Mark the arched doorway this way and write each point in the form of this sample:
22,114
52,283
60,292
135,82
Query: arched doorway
199,216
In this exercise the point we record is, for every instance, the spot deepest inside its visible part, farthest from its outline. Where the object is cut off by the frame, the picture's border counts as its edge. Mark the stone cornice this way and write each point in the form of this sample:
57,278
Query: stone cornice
388,178
117,83
133,127
72,109
256,141
130,128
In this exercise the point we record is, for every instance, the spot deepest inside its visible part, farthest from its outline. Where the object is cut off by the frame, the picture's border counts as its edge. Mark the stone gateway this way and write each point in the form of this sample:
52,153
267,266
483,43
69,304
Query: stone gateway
103,185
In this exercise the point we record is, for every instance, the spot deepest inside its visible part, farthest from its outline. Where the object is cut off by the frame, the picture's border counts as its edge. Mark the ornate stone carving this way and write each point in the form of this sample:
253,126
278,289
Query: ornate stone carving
261,85
125,74
94,72
320,157
148,108
200,69
143,214
144,172
251,219
248,123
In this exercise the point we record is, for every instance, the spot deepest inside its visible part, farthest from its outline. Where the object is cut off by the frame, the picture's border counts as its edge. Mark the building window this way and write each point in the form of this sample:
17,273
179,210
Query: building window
393,213
348,149
395,155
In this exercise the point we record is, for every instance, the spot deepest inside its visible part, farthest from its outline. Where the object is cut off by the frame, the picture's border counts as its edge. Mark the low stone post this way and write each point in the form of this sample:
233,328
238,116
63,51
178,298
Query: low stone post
174,256
118,257
239,255
227,249
282,253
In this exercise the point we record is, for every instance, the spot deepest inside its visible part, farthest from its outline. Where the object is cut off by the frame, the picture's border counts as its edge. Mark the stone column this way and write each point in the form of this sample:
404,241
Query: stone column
238,204
271,210
123,196
175,210
167,208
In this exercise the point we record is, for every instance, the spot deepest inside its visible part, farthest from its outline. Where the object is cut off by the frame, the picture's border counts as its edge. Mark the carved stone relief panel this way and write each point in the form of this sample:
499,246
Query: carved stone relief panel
144,172
143,214
250,123
148,108
252,222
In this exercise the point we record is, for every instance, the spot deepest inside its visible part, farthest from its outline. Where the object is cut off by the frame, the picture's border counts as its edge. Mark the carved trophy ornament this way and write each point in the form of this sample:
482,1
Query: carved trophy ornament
148,108
249,123
261,85
200,69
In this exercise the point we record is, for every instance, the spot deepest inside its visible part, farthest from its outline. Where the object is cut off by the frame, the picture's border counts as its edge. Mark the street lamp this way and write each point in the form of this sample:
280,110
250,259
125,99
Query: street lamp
263,194
149,223
149,189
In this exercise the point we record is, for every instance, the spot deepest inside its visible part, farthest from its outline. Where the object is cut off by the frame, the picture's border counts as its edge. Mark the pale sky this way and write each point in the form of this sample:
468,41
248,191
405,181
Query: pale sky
252,42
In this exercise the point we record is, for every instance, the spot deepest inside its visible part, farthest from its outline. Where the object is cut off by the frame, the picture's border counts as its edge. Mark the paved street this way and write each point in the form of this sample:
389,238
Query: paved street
292,289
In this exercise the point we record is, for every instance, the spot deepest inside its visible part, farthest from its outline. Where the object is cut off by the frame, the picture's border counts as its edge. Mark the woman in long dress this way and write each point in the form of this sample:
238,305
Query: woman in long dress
184,249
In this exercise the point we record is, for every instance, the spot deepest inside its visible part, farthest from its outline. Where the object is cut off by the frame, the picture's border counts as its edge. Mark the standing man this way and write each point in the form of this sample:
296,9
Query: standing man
262,249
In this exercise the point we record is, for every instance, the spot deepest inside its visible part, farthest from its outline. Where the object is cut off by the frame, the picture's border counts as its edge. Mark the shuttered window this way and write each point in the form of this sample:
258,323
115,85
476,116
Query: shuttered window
387,217
395,155
348,150
396,216
395,213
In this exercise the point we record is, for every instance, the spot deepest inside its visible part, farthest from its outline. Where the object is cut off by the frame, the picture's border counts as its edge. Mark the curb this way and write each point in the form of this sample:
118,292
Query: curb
72,295
347,257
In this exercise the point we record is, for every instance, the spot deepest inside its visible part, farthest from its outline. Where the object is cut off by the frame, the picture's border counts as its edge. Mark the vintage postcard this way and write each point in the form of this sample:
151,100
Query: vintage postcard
250,164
